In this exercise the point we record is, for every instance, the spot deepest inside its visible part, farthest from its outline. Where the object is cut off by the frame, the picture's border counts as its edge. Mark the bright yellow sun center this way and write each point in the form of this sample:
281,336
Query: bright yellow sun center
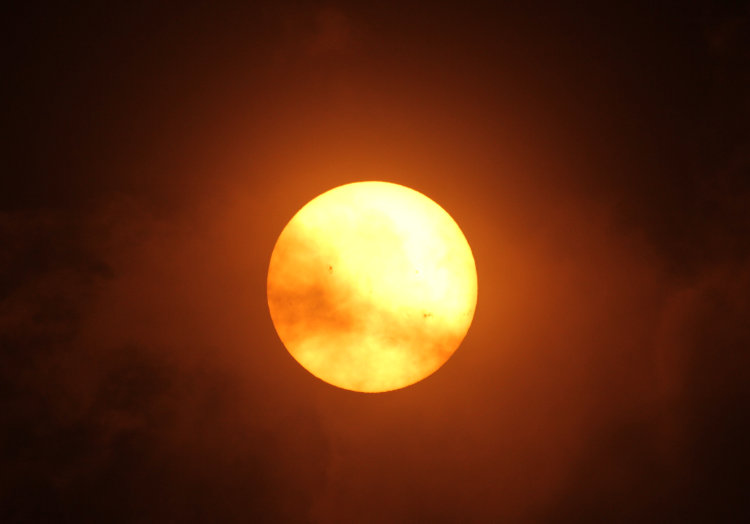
372,286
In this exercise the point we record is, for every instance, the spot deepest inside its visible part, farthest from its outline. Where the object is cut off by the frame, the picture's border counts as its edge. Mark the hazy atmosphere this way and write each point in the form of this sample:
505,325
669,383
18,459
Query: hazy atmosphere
597,159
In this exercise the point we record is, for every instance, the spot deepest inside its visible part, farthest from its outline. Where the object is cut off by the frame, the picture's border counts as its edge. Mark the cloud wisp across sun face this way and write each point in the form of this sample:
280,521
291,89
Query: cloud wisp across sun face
372,286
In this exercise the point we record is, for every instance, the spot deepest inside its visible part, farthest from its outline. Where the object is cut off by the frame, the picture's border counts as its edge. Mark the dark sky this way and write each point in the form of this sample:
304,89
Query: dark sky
596,157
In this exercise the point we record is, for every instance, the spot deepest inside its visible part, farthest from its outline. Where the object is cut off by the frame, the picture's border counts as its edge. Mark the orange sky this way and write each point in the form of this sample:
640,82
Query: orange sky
593,164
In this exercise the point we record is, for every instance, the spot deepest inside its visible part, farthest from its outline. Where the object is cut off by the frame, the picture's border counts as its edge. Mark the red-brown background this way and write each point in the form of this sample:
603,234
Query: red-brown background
596,158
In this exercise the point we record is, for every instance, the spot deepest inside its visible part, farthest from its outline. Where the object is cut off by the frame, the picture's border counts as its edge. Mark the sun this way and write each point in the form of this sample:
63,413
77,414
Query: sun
372,286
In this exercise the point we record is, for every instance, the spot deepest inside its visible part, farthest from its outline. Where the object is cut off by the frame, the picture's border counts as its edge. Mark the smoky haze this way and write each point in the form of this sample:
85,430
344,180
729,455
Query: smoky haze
595,158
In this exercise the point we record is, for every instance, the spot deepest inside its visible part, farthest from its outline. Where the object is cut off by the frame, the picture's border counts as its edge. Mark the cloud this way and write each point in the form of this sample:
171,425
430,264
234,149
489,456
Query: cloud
332,33
117,395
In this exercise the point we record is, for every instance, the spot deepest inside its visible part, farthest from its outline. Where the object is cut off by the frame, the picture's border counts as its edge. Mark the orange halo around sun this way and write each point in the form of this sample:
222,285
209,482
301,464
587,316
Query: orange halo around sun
372,286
